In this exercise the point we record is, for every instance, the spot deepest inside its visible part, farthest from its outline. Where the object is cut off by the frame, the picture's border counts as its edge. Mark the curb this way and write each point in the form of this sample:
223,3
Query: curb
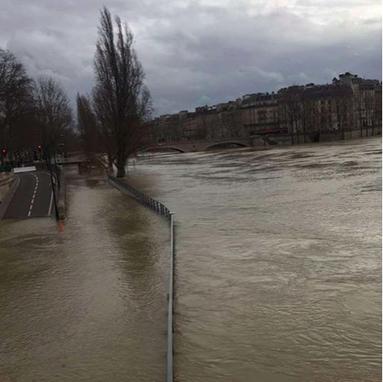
8,197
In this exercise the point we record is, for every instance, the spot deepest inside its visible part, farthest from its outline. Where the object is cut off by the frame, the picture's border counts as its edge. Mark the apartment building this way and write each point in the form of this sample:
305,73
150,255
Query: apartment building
348,107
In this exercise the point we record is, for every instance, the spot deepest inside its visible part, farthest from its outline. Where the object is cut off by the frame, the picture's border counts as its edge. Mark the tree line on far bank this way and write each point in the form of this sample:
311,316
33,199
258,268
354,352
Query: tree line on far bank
37,113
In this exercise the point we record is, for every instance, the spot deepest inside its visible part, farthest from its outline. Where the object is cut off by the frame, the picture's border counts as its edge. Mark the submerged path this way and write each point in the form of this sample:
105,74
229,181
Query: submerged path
88,303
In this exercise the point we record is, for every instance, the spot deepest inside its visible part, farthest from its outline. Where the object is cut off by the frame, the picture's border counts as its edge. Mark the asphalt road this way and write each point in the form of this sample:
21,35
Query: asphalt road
33,197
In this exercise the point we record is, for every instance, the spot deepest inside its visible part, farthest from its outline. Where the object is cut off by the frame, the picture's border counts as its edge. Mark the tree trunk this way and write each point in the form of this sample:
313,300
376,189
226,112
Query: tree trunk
121,163
120,171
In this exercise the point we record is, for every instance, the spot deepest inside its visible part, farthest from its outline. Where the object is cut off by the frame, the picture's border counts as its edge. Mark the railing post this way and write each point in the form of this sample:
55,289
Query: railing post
169,353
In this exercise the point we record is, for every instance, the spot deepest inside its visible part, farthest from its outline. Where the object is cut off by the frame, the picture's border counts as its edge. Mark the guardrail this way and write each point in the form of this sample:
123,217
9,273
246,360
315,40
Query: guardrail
162,210
141,197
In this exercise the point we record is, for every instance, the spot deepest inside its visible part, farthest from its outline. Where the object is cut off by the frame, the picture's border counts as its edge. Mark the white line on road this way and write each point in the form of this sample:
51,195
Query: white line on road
34,195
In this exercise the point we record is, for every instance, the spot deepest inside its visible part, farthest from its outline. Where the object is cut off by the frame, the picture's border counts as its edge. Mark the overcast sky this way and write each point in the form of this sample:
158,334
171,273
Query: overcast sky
201,51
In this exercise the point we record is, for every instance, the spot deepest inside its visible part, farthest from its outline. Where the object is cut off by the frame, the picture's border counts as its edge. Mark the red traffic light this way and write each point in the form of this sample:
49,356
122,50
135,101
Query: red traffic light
4,152
39,147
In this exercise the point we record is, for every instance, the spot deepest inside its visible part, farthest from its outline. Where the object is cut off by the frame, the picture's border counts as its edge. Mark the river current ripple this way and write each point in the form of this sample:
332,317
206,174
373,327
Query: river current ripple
278,261
278,272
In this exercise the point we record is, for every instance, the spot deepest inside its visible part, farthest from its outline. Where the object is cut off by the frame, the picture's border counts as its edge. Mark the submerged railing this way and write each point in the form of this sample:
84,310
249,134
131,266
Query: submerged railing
162,210
141,197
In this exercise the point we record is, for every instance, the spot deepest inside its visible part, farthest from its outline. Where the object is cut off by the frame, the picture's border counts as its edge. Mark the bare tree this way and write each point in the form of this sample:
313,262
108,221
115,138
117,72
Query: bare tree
53,112
121,100
15,99
87,125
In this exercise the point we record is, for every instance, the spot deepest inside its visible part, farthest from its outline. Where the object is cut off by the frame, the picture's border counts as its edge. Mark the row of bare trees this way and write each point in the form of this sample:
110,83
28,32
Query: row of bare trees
32,113
111,119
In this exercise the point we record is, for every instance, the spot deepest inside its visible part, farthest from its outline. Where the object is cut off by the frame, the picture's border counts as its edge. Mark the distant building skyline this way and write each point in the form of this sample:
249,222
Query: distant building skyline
269,96
349,106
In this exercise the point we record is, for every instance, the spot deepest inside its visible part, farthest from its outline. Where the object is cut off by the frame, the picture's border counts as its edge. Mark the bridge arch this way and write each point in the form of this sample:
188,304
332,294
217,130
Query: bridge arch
218,145
158,149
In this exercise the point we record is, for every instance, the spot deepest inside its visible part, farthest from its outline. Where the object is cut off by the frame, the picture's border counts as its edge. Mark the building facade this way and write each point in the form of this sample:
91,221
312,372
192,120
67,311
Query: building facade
348,107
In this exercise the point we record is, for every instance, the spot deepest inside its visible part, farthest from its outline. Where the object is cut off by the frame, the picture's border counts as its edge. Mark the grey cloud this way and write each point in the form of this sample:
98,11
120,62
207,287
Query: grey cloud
197,52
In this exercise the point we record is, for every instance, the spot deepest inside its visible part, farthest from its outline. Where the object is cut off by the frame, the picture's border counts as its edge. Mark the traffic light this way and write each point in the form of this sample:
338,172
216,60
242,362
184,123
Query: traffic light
39,147
4,152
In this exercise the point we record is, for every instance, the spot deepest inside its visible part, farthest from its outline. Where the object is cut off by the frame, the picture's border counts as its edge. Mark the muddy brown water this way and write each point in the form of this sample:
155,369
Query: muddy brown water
278,261
88,303
278,272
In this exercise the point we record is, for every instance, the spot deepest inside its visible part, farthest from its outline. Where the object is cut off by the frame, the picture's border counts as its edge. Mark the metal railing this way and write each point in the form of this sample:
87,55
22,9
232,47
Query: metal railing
162,210
141,197
170,330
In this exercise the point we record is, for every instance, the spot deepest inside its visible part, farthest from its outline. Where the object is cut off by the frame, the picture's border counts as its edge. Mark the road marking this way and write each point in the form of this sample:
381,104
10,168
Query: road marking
34,194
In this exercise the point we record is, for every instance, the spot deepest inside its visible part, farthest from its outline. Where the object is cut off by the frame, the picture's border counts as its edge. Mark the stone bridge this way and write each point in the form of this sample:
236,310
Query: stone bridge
185,147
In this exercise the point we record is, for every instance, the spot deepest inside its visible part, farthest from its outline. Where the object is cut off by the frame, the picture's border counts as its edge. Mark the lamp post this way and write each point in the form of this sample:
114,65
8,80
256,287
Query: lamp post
49,166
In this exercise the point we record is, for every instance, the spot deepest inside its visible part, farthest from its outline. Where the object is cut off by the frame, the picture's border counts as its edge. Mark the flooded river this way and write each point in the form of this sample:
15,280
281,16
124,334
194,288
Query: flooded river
89,303
278,272
278,261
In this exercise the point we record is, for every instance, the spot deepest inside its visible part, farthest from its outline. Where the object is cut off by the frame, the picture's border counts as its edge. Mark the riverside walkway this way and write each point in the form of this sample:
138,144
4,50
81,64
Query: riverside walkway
161,210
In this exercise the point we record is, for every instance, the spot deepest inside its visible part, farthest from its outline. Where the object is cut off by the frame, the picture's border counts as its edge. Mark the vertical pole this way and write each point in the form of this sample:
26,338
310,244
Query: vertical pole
47,158
169,353
56,168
